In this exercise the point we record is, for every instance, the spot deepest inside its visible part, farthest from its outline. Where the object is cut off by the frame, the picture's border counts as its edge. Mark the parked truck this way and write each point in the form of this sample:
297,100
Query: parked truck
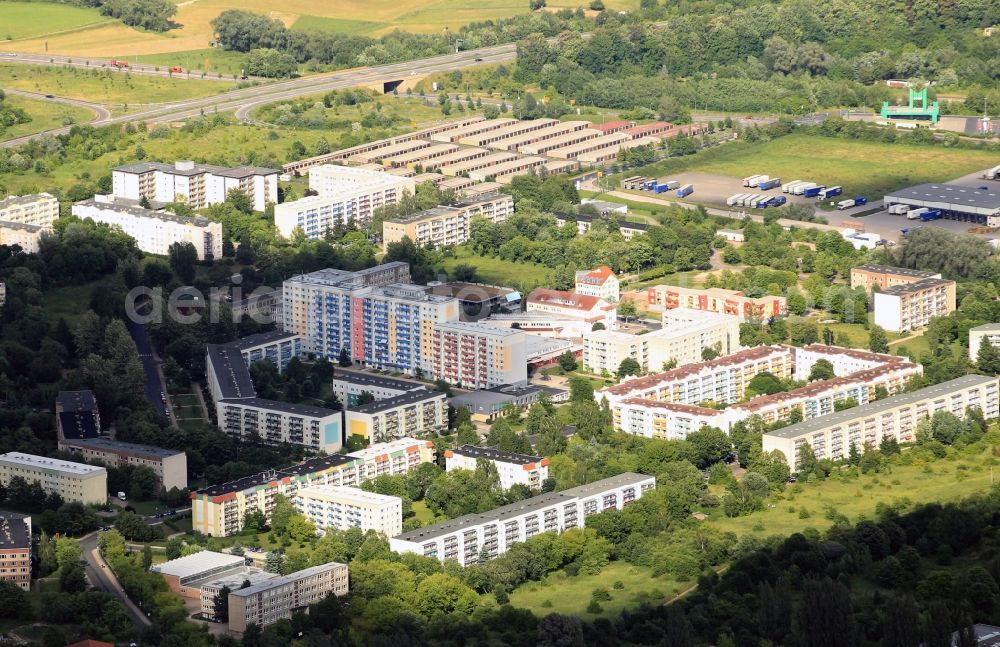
800,189
671,184
898,209
992,174
767,185
777,201
660,188
830,192
119,64
755,203
813,192
685,191
914,214
930,214
735,199
853,202
748,198
787,185
753,180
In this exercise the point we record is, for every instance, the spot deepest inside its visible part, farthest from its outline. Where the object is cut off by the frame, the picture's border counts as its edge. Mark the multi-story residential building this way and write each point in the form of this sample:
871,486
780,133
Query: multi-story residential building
884,277
154,231
844,361
473,537
77,415
341,507
219,510
263,305
72,481
15,549
665,420
349,387
571,305
198,185
39,210
27,237
514,469
384,327
478,356
731,302
242,414
599,282
447,225
905,307
269,601
985,334
344,195
412,413
170,466
722,380
276,346
686,334
895,417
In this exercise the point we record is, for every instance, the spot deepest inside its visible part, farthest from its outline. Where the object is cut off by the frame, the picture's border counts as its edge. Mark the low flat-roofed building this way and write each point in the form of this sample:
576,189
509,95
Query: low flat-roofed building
471,130
72,481
488,404
415,157
514,469
341,508
457,157
474,164
169,465
610,153
15,549
381,154
475,537
77,415
507,132
554,130
269,601
408,414
478,300
956,201
185,575
546,147
897,417
573,151
473,189
506,170
731,235
609,127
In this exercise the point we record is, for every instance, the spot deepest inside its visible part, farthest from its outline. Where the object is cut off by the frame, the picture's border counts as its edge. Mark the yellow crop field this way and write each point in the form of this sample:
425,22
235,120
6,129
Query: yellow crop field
368,17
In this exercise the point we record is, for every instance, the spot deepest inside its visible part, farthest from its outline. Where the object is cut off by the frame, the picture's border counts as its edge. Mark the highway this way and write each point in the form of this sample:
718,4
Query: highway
98,63
244,100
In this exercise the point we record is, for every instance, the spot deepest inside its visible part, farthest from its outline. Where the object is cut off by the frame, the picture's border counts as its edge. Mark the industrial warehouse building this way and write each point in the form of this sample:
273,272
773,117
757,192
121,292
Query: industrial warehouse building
956,202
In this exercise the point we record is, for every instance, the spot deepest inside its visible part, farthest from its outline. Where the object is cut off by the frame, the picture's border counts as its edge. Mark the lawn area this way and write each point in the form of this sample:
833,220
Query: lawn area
33,19
423,514
103,85
186,407
66,302
940,481
861,167
562,593
496,271
45,115
213,60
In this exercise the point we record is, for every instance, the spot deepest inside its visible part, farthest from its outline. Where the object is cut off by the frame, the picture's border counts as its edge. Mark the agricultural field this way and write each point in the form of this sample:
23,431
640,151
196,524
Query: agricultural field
25,20
45,115
369,18
868,168
112,88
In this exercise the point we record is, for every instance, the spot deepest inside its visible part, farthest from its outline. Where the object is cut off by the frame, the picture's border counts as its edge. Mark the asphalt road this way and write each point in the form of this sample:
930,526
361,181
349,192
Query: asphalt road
154,384
97,63
244,100
101,114
100,575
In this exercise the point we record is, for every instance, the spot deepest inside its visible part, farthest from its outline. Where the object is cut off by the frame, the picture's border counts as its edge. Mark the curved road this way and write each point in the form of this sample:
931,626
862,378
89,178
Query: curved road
101,114
100,575
244,100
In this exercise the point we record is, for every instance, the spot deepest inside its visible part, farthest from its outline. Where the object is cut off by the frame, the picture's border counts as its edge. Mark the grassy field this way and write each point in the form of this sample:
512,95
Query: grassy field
496,271
561,593
868,168
186,407
104,86
366,17
21,20
212,60
44,116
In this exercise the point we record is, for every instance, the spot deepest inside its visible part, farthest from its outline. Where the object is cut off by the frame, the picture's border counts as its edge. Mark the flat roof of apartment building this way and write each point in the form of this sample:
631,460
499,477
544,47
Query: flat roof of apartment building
231,371
140,212
917,286
13,533
266,585
368,379
304,410
401,400
472,451
897,271
132,449
24,199
197,563
874,408
347,494
77,401
43,462
262,338
382,449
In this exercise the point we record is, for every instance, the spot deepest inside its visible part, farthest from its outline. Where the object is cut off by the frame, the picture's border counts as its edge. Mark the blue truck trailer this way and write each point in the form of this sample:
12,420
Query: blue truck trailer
685,191
813,192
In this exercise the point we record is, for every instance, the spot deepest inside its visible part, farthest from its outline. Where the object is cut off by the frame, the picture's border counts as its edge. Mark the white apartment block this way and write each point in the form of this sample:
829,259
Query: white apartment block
72,481
514,469
413,413
348,386
722,380
665,420
27,237
342,508
894,417
845,361
909,306
170,466
599,282
447,225
38,209
154,231
345,195
197,185
490,534
684,336
277,347
985,334
479,356
276,599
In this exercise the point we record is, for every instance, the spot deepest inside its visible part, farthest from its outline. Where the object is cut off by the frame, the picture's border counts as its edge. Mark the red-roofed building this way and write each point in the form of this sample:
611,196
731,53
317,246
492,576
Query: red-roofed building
599,282
609,127
732,302
668,420
572,305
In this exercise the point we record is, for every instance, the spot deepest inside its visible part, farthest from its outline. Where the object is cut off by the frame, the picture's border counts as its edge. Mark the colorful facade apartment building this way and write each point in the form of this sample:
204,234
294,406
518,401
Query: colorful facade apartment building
341,508
731,302
219,510
269,601
893,417
599,282
382,326
15,549
571,305
664,420
414,413
514,469
478,356
722,380
473,537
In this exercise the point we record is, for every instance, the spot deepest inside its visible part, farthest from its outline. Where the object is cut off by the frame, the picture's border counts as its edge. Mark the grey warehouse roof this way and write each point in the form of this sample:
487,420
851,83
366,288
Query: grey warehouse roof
949,196
874,408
